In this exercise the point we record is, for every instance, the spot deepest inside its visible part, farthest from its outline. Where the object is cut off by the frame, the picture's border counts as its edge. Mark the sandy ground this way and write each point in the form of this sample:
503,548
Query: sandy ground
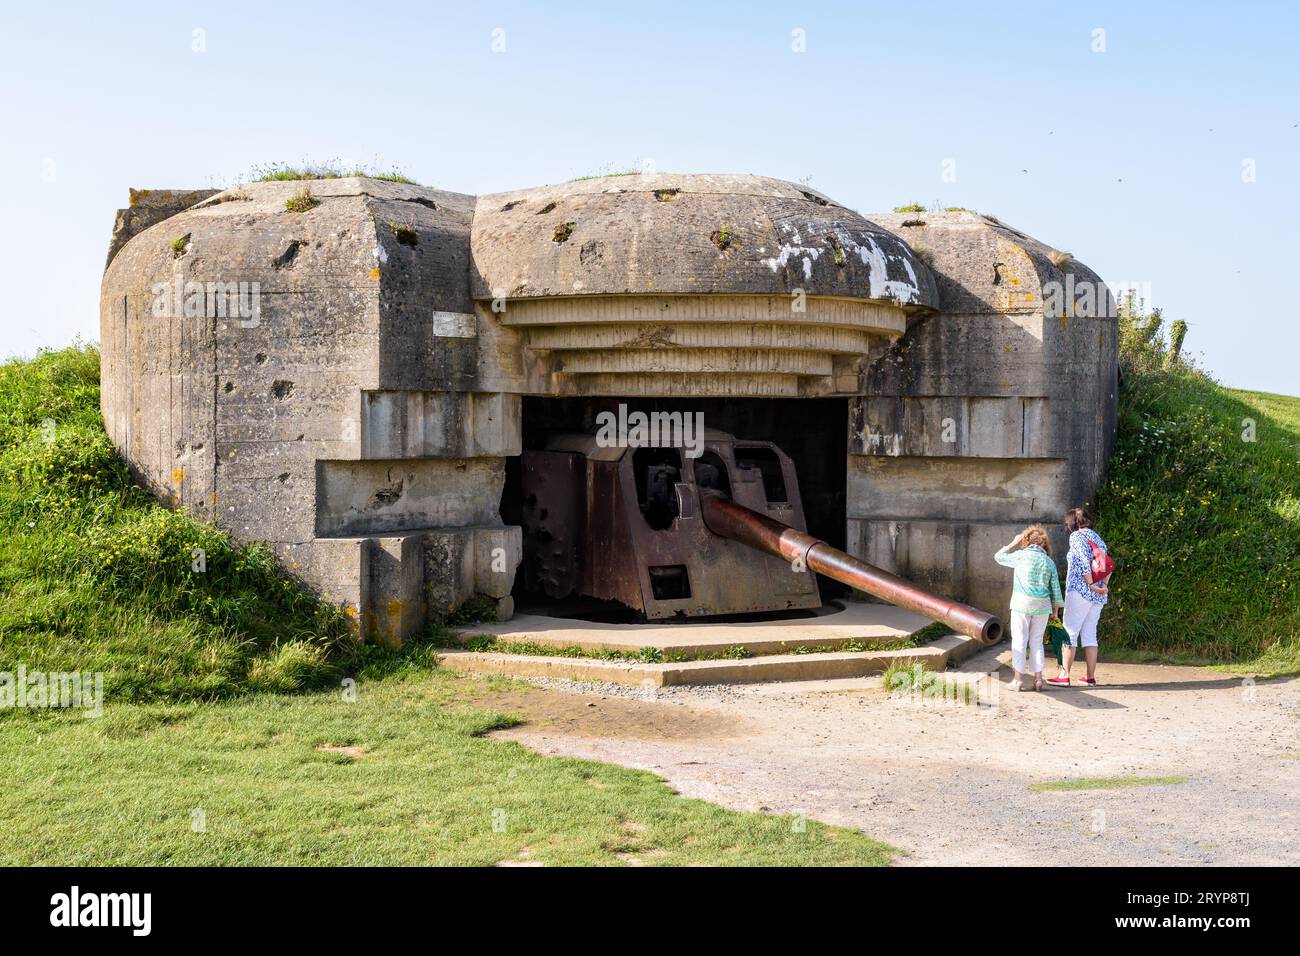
950,784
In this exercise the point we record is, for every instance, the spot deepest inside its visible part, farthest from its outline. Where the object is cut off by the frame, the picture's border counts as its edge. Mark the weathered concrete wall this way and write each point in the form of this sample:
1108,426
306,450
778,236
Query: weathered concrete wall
360,420
994,413
284,423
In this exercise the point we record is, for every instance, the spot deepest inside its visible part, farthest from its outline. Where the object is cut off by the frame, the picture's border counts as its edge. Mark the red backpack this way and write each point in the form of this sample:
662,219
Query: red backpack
1102,563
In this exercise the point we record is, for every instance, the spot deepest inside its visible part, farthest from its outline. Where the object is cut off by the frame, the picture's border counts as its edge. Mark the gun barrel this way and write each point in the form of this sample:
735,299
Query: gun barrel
727,519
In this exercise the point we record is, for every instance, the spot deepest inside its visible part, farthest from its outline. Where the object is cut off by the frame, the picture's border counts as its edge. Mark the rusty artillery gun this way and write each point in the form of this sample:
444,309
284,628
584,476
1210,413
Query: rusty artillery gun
671,536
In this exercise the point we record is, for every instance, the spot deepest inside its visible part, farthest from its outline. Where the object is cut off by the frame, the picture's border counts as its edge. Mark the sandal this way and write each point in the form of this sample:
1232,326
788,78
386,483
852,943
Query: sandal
1014,685
1038,683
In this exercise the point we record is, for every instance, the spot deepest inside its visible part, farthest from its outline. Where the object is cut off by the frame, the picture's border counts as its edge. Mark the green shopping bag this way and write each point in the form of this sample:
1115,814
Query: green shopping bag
1056,636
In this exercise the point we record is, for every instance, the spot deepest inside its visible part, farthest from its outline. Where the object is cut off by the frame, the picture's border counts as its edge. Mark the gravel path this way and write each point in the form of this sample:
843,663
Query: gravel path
949,783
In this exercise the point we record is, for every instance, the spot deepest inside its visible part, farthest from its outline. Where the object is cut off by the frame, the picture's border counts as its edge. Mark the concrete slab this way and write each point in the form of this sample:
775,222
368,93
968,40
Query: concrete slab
858,621
835,665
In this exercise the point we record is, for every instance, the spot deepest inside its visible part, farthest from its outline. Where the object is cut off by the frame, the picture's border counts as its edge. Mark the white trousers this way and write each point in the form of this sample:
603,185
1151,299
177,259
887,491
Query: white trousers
1027,635
1080,619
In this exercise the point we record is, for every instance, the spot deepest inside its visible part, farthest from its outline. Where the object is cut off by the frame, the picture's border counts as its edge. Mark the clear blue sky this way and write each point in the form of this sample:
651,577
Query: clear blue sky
1130,158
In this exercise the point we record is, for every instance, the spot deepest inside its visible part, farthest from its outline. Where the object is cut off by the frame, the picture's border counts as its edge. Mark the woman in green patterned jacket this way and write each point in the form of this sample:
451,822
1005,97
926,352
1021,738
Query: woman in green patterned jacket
1035,592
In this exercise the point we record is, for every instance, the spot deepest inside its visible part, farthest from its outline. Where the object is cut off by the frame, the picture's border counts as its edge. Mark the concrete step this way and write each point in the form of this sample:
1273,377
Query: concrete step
843,623
771,667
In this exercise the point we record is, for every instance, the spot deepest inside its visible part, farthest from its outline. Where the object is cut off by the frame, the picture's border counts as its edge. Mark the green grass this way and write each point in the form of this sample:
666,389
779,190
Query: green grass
931,632
96,575
1205,525
477,609
905,678
301,201
487,643
910,207
606,175
1105,783
331,169
424,787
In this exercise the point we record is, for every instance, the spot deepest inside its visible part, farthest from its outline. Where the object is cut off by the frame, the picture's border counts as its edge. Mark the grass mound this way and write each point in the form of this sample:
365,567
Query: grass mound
1201,508
96,575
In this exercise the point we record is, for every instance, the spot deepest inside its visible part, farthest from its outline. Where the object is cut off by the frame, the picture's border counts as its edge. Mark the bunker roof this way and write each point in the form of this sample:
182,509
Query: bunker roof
673,234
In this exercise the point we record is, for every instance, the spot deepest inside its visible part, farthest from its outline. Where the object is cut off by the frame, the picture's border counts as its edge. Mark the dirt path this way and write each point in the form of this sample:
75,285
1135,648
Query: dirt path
949,784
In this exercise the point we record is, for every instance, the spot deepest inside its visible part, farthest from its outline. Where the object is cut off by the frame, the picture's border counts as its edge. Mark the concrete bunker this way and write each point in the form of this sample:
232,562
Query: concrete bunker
369,416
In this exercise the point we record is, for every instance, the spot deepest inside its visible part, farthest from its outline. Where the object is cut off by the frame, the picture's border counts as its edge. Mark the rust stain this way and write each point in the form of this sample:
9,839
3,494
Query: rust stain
178,475
374,273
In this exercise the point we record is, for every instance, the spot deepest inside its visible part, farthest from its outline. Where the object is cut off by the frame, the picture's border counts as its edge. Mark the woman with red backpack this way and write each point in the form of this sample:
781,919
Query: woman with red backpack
1087,578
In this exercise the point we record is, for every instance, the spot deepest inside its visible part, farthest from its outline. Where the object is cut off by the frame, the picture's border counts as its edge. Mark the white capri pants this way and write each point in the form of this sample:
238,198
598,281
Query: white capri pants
1080,619
1027,634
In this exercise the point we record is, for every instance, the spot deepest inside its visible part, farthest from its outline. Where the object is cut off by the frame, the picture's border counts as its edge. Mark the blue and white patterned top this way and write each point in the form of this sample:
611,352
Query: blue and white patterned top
1079,561
1036,587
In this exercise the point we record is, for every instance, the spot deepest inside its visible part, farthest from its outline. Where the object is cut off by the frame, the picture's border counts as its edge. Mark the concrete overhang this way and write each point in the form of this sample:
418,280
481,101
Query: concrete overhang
672,234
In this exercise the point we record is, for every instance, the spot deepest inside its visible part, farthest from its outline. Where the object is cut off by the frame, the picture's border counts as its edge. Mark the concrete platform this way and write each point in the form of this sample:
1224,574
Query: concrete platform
858,621
775,667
